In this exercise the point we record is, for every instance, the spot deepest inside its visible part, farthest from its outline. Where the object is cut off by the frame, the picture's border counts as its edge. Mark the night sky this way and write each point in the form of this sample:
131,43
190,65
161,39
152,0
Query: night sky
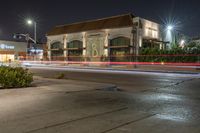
49,13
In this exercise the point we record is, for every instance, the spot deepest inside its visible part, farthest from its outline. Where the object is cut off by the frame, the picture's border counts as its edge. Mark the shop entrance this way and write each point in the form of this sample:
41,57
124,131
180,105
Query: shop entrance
7,57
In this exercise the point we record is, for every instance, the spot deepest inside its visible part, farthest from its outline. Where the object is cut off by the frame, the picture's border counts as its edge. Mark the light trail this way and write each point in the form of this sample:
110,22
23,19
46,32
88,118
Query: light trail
197,64
113,71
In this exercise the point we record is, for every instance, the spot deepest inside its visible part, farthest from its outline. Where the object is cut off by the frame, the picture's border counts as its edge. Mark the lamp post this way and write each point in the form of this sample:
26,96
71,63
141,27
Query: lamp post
169,34
30,22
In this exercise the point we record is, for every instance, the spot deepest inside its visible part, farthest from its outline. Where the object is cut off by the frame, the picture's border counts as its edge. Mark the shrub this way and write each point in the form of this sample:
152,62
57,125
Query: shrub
15,77
190,53
60,76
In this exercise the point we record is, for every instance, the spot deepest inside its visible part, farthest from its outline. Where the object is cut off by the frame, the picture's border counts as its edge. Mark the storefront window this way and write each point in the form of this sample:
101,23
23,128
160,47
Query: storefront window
120,50
75,44
57,52
6,57
75,50
120,41
57,45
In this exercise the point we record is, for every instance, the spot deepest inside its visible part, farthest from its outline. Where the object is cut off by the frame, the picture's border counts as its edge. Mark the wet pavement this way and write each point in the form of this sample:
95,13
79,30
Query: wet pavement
103,103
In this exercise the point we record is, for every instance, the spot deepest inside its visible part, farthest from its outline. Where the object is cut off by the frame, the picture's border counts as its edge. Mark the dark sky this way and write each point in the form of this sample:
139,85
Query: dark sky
49,13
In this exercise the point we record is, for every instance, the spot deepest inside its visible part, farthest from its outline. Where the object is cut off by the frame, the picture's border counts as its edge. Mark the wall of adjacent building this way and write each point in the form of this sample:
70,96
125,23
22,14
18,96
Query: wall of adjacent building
14,46
10,51
147,30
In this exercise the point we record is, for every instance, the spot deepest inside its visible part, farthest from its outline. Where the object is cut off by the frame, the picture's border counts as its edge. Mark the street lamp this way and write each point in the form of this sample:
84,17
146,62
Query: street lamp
30,22
170,28
169,34
182,43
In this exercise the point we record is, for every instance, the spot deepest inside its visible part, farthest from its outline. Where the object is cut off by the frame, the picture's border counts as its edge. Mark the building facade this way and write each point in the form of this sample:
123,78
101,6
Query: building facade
117,38
11,51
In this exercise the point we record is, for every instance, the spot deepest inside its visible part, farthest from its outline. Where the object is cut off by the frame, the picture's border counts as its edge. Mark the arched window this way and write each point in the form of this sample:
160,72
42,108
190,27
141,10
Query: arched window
57,52
120,41
119,49
75,50
57,45
75,44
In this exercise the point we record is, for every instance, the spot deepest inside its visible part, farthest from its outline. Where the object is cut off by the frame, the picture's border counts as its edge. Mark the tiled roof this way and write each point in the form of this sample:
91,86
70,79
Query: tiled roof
120,21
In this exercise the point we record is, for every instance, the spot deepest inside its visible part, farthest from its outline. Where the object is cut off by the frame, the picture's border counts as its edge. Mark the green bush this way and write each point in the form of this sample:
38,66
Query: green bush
15,77
60,76
190,53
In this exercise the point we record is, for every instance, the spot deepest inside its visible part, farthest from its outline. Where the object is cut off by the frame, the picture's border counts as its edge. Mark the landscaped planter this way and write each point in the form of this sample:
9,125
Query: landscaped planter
15,77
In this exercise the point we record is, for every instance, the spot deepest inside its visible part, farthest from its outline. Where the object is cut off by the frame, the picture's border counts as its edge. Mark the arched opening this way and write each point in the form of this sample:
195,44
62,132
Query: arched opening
57,51
75,50
120,49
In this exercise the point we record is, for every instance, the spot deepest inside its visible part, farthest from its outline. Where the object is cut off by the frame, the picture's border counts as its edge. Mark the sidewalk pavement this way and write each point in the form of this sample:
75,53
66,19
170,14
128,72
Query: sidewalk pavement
67,106
68,85
41,84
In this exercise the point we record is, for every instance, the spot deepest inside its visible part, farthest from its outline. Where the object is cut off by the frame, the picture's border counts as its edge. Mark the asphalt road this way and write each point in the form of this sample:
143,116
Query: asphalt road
124,80
101,101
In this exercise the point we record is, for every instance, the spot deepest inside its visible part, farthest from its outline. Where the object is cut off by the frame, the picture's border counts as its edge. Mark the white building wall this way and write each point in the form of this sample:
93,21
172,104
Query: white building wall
146,30
150,29
56,38
125,32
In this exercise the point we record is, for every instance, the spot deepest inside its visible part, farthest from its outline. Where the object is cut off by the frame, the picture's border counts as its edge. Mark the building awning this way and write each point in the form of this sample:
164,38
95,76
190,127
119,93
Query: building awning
120,21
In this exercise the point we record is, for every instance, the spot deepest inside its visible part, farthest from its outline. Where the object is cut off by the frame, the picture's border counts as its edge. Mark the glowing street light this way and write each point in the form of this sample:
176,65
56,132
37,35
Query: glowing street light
182,43
170,28
169,33
30,22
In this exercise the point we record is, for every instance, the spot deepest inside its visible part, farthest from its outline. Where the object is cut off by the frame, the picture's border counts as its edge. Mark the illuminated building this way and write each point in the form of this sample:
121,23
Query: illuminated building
116,38
15,50
10,51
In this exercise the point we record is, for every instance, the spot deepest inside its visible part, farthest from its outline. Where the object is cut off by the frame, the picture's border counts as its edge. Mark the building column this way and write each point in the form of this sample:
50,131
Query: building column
138,41
84,46
135,34
65,47
106,45
131,44
49,50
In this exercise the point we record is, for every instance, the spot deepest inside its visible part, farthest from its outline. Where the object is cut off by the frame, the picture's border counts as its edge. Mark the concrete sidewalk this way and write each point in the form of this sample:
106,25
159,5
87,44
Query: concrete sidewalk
68,106
63,85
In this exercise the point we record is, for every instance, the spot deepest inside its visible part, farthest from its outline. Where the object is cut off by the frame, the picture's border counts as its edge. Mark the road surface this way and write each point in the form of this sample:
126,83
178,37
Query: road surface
102,101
